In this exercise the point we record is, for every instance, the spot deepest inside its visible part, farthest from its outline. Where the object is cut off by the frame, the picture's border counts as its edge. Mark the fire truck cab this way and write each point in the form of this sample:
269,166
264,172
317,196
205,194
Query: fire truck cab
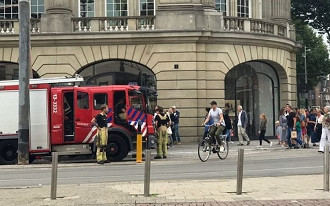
61,115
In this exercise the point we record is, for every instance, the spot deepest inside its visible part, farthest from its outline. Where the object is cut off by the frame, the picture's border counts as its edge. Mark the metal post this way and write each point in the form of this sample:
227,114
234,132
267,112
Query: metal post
24,78
326,169
240,163
139,144
147,174
306,65
54,176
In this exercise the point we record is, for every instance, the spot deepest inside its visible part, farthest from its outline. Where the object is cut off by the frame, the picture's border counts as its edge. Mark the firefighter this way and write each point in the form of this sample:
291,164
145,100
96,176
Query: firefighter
101,141
162,122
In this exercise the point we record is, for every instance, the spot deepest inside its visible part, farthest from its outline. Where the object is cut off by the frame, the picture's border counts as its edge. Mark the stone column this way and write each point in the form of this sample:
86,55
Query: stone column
232,8
187,15
57,17
281,10
266,9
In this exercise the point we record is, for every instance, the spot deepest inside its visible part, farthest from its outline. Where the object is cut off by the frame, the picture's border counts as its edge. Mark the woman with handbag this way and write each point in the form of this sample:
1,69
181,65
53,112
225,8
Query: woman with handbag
318,127
325,129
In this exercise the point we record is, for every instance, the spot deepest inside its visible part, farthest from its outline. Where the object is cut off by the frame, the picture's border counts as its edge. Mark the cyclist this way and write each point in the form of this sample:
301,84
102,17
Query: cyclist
219,125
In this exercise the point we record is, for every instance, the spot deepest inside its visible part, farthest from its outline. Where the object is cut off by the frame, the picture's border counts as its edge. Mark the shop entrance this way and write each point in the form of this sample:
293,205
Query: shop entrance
255,86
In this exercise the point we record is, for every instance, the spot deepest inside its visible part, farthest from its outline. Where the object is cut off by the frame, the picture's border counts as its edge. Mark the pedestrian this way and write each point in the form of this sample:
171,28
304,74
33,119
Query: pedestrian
284,124
175,117
228,123
262,130
156,111
318,127
101,141
242,125
218,126
311,122
325,137
299,133
303,121
291,118
209,124
162,122
279,131
169,129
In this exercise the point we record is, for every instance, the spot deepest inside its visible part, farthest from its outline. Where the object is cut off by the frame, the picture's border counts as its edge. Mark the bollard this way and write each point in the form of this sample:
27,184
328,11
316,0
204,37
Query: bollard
139,144
54,176
326,169
240,163
147,173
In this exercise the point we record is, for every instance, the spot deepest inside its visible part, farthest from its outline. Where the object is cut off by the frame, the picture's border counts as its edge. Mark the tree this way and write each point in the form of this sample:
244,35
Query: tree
314,12
318,63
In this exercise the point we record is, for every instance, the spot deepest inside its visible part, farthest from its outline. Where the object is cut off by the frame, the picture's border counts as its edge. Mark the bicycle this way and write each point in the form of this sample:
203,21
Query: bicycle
209,145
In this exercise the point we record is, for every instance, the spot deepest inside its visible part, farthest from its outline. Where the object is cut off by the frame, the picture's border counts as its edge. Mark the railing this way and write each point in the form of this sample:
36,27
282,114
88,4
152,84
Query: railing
145,23
12,26
254,26
233,24
113,24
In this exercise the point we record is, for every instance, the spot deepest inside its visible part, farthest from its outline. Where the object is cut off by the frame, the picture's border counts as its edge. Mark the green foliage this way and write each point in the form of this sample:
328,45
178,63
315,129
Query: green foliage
314,12
318,63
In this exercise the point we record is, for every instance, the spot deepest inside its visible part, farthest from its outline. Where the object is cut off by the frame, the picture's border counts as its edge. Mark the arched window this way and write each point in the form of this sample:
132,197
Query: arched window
118,72
243,8
117,8
10,71
221,5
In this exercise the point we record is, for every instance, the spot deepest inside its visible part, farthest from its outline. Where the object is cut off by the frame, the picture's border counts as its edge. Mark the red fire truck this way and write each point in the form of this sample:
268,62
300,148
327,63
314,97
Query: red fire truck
61,114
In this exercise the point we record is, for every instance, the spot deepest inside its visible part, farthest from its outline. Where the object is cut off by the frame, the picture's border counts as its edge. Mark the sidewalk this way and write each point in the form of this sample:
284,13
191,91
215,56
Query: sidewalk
256,191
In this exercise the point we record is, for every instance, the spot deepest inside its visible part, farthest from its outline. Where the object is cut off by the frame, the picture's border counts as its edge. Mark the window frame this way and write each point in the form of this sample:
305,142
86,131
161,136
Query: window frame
147,9
38,13
79,10
106,9
247,5
106,98
88,101
37,5
225,13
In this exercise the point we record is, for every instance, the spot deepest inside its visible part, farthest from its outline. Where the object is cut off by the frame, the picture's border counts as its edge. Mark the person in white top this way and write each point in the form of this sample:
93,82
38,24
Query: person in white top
218,122
241,126
325,121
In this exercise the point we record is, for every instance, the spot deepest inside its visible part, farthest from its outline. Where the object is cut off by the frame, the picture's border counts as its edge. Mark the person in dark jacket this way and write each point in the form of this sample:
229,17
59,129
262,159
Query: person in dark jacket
228,122
241,126
262,131
175,117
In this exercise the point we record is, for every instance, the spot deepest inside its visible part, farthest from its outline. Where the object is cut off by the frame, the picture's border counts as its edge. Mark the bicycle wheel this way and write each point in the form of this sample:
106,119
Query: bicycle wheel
204,150
224,150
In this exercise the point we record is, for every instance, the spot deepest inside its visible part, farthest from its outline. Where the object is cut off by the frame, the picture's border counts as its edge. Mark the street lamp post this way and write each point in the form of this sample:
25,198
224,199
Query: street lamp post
306,65
24,80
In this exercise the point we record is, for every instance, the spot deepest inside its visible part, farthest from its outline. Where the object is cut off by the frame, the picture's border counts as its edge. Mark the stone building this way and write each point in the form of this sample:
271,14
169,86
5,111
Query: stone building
192,51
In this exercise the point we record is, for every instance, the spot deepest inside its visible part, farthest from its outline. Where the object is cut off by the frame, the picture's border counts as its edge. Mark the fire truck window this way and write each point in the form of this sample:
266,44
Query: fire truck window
136,102
100,99
82,100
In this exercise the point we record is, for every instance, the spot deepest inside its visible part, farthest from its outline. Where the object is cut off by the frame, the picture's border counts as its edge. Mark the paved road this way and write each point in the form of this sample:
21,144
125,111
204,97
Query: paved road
182,163
252,203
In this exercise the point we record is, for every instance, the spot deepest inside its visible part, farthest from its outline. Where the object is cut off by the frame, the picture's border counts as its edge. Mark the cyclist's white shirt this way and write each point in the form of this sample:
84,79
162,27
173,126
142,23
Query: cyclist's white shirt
215,116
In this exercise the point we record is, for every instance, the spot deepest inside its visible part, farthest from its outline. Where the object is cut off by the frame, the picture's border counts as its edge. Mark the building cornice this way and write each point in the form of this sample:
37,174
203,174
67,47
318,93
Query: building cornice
152,37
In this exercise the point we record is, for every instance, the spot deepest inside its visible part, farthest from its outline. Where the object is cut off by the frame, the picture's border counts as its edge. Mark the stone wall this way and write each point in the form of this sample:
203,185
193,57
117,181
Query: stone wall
203,60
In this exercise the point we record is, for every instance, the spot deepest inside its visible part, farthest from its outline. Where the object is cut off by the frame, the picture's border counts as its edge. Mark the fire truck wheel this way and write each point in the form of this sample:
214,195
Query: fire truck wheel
117,148
8,152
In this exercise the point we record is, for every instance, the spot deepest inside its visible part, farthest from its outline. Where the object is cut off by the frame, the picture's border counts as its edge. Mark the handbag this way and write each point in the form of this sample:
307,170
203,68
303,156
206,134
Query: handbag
294,135
169,131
